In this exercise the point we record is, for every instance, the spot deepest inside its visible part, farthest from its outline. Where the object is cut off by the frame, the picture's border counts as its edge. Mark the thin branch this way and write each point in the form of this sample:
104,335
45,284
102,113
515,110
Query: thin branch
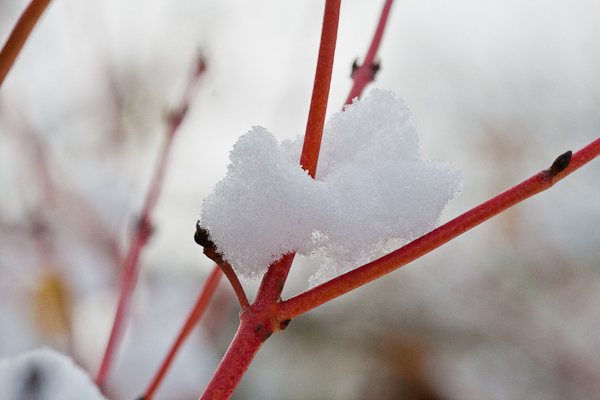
205,295
318,104
144,229
364,74
202,237
563,166
19,35
235,284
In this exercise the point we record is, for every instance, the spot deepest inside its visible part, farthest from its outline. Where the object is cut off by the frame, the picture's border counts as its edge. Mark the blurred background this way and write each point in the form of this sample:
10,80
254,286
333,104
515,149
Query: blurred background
500,88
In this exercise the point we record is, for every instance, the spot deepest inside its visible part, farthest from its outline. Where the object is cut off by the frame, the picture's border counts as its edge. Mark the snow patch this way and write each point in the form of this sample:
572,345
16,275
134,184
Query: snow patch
372,185
45,374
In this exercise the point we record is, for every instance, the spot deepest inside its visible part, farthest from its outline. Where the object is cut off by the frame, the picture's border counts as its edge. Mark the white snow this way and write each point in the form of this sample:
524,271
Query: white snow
372,185
45,374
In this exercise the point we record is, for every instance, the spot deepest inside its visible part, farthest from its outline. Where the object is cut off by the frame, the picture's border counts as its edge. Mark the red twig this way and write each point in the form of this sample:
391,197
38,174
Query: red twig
205,295
235,284
19,35
321,294
144,229
318,103
364,74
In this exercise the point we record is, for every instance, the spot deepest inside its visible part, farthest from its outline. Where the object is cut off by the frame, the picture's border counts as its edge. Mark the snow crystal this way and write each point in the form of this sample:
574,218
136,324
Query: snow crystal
45,374
372,185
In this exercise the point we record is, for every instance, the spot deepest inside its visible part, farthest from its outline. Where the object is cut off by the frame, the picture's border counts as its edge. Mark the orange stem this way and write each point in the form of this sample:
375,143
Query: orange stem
321,294
19,35
318,103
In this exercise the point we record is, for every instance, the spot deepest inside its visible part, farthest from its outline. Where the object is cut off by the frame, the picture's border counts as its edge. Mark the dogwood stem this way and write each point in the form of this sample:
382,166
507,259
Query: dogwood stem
320,95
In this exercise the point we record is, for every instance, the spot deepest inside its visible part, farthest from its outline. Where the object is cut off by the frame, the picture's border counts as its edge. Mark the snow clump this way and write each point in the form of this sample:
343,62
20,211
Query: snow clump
372,185
45,374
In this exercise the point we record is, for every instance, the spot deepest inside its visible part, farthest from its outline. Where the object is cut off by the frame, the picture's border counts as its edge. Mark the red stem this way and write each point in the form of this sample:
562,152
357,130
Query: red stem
235,284
205,295
256,326
366,72
144,229
321,294
19,35
130,273
318,103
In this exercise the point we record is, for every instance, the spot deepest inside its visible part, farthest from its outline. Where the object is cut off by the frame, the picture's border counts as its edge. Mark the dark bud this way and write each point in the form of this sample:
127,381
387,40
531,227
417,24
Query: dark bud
355,67
202,237
284,324
144,227
560,163
200,65
141,398
375,67
175,117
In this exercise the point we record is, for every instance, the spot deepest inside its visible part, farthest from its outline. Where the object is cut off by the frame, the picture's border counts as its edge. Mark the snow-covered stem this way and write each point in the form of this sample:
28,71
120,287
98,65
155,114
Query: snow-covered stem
365,73
258,322
320,95
19,35
205,295
130,268
543,180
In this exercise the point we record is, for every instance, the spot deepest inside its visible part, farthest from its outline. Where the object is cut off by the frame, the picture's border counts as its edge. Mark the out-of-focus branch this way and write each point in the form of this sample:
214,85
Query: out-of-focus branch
563,166
364,74
144,228
19,35
205,295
